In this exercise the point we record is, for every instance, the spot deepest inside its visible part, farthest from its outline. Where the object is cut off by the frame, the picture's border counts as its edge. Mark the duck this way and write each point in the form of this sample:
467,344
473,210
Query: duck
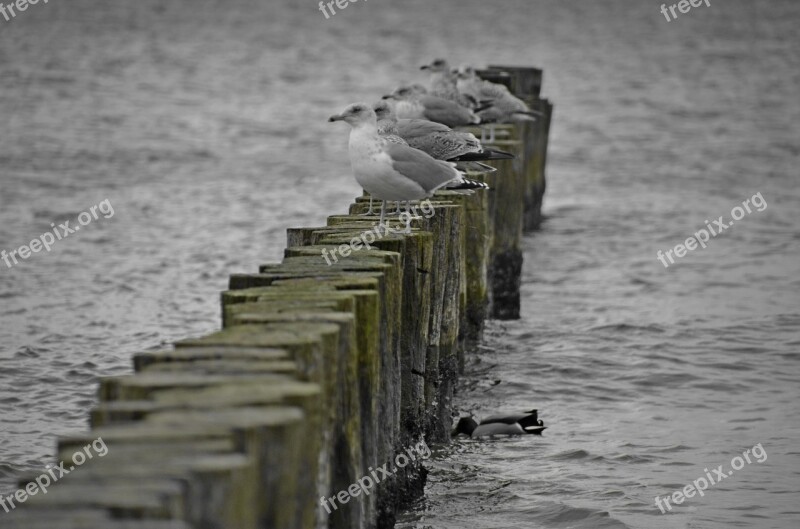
524,423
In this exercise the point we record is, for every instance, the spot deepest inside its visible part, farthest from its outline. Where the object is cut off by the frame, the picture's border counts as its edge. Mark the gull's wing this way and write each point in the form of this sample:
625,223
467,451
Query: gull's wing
436,139
419,127
447,112
415,165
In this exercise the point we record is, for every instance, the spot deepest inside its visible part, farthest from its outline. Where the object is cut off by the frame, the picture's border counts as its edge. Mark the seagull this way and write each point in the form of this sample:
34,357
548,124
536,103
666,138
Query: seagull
524,423
409,103
392,171
506,107
436,139
443,84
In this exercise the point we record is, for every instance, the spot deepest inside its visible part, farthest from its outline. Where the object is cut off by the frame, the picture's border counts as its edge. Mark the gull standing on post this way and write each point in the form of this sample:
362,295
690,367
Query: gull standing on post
436,139
506,107
391,171
443,84
409,103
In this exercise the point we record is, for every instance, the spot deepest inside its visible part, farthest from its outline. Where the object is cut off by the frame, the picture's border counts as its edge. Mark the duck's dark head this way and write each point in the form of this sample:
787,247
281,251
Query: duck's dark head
533,415
540,431
466,425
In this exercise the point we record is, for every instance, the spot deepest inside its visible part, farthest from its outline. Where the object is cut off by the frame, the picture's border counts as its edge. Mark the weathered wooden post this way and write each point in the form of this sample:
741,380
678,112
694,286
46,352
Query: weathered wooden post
526,83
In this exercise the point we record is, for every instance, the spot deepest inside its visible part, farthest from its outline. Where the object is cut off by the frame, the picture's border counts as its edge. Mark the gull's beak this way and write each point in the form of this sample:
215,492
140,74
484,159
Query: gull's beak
388,96
425,67
335,117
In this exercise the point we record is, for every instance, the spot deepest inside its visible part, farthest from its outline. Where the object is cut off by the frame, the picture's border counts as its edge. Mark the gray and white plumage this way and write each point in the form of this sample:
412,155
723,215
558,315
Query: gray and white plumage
515,424
392,137
392,171
409,104
438,140
443,84
506,107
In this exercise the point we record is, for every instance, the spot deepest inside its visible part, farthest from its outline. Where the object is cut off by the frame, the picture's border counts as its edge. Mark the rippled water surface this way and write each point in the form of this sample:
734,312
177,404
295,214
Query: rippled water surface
203,123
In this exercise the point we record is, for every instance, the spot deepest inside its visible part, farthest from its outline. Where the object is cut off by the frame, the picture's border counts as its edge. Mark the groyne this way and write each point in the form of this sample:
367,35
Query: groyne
326,368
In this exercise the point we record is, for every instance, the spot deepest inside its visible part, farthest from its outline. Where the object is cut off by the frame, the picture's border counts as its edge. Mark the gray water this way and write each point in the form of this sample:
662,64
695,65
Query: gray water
204,125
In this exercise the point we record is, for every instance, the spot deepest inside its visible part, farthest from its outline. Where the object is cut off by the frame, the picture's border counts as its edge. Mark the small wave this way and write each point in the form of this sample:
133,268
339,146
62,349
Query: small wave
563,515
626,327
28,352
631,458
671,449
577,453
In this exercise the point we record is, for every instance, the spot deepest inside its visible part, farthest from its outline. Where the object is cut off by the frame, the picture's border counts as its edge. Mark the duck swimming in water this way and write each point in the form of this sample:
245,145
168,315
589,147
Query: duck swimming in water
524,423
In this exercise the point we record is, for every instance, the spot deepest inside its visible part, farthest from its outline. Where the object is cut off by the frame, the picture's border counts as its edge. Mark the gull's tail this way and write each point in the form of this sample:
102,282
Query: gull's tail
487,154
476,167
466,185
526,115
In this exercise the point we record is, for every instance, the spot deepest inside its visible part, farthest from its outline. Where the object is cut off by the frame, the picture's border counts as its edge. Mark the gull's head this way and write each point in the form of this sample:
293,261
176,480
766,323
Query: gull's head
437,66
401,93
383,110
465,71
355,115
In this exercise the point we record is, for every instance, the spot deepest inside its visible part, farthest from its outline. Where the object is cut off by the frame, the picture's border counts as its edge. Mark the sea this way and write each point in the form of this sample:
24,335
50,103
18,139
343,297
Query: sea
202,125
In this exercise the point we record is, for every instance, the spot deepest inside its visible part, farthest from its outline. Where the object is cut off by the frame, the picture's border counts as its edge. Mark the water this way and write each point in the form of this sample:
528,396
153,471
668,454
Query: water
203,123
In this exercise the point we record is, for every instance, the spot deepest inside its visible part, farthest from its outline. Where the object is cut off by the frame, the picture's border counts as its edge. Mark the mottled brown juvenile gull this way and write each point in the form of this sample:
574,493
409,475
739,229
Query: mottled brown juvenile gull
391,171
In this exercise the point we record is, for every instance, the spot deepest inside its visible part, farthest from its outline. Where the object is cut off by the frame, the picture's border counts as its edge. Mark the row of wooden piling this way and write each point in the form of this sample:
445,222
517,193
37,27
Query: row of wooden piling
321,372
